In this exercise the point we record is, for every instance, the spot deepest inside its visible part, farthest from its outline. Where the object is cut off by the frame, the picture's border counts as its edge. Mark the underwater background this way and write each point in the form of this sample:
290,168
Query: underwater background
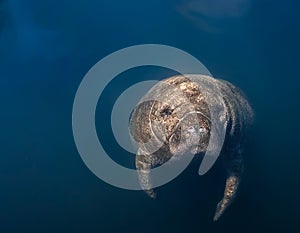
46,48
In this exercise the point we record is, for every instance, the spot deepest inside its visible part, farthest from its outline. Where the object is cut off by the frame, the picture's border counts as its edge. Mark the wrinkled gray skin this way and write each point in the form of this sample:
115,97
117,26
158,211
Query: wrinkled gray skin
171,107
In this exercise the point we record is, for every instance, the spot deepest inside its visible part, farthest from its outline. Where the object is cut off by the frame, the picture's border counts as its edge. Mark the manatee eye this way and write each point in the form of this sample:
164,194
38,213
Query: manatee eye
166,112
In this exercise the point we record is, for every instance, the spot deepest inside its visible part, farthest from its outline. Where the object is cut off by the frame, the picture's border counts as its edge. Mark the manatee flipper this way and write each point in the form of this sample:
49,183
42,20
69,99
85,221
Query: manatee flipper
240,117
234,167
144,163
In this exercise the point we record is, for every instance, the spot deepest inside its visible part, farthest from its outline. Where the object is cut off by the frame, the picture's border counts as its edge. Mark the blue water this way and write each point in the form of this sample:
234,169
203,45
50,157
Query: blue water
46,47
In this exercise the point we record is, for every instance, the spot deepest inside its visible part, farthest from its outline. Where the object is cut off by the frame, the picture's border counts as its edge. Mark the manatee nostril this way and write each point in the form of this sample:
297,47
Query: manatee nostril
191,129
166,112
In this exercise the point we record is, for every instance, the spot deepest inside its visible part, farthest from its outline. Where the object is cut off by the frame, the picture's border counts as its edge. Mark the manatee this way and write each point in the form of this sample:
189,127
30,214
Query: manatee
177,118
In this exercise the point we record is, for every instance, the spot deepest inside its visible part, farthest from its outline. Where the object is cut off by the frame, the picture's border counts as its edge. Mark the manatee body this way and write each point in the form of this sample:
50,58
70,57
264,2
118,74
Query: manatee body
175,117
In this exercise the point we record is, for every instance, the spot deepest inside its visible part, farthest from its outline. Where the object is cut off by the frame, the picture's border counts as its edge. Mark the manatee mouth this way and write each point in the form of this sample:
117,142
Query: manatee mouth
189,134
